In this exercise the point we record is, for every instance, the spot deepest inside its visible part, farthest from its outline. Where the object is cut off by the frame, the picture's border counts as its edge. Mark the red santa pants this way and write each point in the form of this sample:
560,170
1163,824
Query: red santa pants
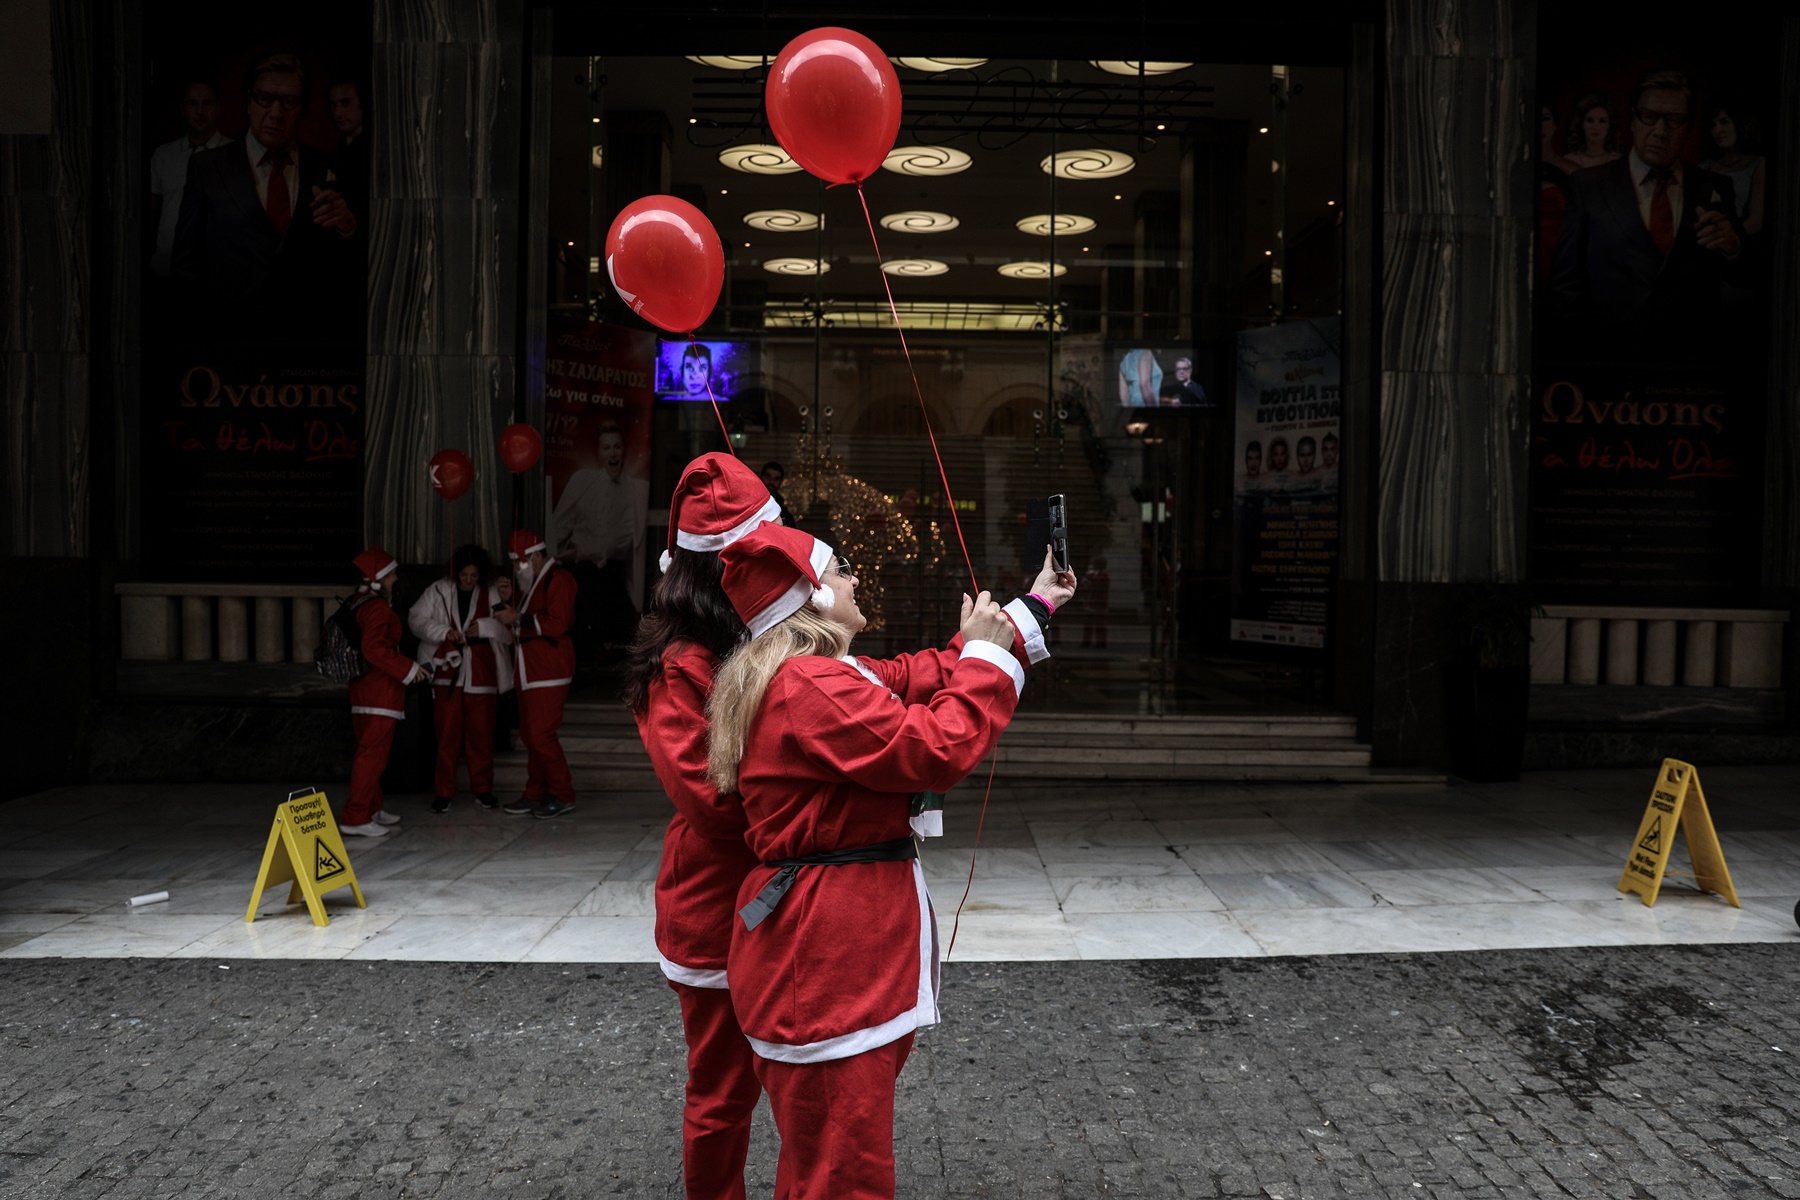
547,770
721,1095
465,726
836,1121
374,738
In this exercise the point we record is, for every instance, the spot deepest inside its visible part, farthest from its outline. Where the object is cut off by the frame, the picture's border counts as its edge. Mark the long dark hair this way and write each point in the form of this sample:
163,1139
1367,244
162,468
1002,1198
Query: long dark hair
472,556
687,605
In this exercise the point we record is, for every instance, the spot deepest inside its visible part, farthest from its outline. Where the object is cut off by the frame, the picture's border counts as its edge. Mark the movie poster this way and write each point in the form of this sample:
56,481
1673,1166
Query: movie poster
1649,384
599,394
1284,555
255,275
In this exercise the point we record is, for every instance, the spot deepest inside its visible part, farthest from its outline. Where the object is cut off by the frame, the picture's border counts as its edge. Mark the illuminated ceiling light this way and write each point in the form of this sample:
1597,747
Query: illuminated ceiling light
1093,163
758,158
783,220
1160,127
919,221
729,62
925,160
1264,129
914,266
1031,270
1044,224
1330,203
796,266
1119,66
940,64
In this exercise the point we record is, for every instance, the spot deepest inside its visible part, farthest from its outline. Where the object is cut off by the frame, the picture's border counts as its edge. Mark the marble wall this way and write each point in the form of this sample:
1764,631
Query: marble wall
46,317
1458,220
447,88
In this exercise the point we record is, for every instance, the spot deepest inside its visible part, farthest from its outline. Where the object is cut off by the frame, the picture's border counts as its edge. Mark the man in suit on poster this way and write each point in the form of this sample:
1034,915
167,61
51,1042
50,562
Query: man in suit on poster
1646,240
264,236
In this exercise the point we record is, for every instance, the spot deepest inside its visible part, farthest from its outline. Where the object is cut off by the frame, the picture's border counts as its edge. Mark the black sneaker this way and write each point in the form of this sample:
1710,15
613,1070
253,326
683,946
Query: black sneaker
552,808
441,804
487,800
521,807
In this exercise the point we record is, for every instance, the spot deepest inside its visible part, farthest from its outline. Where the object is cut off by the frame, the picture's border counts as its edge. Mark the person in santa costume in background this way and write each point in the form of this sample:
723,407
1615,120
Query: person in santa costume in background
834,957
688,627
378,697
468,651
544,655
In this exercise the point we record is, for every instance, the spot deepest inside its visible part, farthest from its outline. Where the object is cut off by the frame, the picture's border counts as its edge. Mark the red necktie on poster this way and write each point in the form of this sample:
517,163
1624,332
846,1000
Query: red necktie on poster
280,205
1662,214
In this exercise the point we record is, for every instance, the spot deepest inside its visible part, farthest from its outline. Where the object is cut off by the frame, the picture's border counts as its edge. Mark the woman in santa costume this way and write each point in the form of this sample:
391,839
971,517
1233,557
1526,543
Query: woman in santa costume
468,651
378,697
689,627
834,957
544,656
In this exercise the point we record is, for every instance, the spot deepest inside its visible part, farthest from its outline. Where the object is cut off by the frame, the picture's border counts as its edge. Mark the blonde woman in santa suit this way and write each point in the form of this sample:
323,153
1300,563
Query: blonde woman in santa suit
687,628
834,957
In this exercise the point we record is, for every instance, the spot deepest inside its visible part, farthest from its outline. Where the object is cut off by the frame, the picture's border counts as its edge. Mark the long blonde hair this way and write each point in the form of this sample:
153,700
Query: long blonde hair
739,685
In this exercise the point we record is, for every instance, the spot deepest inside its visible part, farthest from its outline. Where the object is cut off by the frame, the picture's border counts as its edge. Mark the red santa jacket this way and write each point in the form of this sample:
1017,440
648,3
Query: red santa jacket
848,961
382,691
704,858
545,654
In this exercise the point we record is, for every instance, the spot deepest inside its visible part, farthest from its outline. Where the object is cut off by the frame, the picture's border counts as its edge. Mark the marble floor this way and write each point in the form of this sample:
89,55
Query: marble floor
1078,871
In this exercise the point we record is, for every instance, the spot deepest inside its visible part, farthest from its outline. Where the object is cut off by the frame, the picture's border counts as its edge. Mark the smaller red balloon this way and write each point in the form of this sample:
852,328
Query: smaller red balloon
451,473
520,447
664,259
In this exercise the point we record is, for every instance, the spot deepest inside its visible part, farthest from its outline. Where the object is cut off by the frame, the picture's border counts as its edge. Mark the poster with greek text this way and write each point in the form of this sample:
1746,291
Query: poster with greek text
599,395
255,269
1285,519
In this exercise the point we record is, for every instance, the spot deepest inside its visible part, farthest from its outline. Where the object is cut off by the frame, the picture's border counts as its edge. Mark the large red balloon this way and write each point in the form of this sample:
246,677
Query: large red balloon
520,446
834,104
665,261
451,473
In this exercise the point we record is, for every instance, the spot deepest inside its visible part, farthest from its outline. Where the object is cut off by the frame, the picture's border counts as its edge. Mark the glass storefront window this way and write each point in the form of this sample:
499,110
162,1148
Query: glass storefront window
1071,252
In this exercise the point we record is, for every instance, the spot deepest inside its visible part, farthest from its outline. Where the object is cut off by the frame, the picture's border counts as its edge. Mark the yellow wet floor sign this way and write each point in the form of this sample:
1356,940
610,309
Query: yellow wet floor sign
1677,804
304,846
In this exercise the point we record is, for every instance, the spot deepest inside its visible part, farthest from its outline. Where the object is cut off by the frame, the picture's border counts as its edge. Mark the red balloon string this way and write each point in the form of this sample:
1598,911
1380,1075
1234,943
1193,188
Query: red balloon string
920,393
730,449
956,521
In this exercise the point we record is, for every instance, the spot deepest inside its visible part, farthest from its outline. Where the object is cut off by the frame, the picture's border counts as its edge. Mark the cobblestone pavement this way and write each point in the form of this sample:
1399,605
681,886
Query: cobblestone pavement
1638,1073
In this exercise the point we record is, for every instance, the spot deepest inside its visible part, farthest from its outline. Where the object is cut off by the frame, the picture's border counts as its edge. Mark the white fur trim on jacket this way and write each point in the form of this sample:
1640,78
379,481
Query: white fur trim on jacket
692,976
989,653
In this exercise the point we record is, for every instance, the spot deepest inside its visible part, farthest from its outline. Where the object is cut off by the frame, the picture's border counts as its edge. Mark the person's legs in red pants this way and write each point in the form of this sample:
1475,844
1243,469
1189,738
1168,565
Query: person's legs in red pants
374,737
540,717
478,740
721,1095
836,1121
447,716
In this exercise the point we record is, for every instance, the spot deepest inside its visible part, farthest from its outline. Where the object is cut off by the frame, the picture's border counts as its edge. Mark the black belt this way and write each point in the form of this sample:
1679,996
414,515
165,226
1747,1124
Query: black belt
898,850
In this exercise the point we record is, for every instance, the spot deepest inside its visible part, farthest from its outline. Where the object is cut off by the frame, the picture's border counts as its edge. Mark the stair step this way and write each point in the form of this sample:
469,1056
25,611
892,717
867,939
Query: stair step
509,778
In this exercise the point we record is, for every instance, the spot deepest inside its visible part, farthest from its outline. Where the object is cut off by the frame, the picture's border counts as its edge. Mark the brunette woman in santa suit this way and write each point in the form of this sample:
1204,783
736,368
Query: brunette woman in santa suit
688,628
834,957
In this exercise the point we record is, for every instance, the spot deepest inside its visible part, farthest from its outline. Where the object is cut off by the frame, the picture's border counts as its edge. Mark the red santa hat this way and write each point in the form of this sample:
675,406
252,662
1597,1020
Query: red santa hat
772,571
523,544
717,501
375,563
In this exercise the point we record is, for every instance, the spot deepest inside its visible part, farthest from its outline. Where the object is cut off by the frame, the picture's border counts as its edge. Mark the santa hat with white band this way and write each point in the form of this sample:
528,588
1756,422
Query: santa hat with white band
717,501
524,542
772,571
375,564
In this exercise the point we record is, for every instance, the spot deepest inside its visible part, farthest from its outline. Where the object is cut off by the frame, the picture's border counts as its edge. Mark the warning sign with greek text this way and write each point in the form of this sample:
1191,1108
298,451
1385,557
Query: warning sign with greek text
306,850
1677,804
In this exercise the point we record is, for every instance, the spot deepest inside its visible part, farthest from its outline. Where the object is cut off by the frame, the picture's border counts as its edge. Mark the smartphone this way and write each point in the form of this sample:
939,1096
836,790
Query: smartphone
1046,523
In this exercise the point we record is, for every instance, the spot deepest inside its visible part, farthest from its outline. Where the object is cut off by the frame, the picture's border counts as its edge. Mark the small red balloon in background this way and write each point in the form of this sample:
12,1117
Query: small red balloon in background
451,473
665,261
520,447
834,104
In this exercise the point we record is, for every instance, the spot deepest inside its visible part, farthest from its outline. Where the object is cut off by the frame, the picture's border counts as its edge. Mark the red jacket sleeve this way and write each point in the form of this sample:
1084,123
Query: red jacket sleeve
553,609
878,741
380,639
674,732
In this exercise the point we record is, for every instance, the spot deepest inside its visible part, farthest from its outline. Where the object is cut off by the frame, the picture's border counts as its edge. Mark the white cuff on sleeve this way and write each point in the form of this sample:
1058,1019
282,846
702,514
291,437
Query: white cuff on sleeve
1000,657
1032,632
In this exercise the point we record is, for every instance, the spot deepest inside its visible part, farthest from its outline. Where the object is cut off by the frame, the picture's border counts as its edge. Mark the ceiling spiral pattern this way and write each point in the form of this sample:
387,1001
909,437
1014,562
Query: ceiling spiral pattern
1095,162
796,266
783,220
1058,224
758,158
1031,270
926,161
914,267
919,221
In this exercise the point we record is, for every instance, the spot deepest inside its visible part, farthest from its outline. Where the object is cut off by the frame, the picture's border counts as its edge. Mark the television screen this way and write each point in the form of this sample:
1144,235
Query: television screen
1152,376
685,369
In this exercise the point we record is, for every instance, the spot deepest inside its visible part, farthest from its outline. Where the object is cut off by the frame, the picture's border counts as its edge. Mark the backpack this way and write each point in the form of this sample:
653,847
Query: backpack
339,653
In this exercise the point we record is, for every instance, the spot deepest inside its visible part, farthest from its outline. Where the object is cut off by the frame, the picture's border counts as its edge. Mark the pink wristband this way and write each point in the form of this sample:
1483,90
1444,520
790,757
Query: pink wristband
1044,602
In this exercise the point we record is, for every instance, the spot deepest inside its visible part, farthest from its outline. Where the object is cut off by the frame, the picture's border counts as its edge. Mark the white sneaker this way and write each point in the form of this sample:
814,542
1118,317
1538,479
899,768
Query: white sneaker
369,830
384,817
